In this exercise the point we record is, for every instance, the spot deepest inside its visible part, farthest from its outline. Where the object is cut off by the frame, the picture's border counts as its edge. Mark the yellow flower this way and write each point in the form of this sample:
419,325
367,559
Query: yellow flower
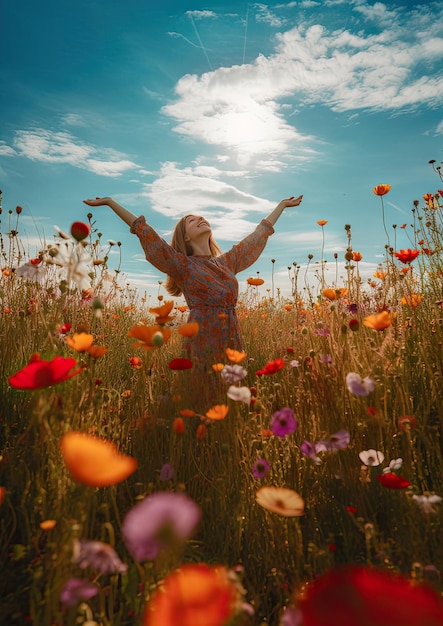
379,321
412,300
217,412
235,355
286,502
81,342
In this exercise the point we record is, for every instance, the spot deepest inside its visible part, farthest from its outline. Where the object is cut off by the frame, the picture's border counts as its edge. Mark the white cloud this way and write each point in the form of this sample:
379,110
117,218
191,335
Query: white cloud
73,119
243,108
199,15
263,14
439,129
62,147
6,150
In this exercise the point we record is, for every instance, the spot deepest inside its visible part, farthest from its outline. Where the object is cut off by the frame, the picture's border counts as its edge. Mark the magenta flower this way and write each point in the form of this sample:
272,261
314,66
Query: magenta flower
261,468
283,422
308,449
166,472
159,521
98,555
77,590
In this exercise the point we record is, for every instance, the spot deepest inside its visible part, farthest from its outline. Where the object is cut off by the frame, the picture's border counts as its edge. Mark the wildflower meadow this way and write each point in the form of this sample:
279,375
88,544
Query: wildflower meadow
316,464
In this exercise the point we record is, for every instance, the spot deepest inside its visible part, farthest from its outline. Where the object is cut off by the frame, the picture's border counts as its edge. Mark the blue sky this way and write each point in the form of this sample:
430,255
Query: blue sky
222,109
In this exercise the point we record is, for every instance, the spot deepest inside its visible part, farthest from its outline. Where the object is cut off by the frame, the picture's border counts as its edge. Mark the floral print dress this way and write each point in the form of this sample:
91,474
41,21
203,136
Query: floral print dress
209,286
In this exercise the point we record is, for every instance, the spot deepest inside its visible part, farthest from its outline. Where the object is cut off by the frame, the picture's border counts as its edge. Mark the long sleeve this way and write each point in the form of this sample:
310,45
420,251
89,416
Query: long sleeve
157,251
246,252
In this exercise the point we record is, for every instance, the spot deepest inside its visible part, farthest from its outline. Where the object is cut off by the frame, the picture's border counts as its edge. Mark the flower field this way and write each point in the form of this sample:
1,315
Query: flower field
130,495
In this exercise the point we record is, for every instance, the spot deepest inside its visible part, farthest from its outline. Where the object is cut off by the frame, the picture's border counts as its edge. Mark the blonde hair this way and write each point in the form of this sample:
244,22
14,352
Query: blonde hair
180,245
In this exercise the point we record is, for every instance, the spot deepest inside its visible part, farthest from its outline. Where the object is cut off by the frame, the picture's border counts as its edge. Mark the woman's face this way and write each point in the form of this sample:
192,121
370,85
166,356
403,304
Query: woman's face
195,227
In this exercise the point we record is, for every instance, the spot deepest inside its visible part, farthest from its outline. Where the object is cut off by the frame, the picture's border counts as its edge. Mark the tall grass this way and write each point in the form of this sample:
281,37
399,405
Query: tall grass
349,516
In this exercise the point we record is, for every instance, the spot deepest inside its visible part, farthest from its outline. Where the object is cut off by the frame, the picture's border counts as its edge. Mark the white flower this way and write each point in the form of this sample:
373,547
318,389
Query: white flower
32,271
242,394
294,363
371,457
233,373
393,466
286,502
359,386
75,262
427,503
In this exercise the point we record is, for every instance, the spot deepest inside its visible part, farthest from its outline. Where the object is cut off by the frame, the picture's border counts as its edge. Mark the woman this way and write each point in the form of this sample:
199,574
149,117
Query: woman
196,268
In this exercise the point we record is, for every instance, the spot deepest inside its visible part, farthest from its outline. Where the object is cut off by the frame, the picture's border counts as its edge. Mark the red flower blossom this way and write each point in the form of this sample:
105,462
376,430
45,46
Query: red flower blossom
353,595
393,481
39,373
180,364
407,256
271,367
381,190
80,230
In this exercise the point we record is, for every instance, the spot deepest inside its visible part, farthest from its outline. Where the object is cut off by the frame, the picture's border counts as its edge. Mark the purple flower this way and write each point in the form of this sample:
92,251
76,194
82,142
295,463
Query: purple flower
308,449
322,331
166,472
261,468
324,358
98,555
159,521
353,308
291,617
338,441
233,373
283,422
359,386
76,590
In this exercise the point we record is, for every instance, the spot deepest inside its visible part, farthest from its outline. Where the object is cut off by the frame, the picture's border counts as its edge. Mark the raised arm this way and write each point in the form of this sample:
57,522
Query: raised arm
128,217
281,206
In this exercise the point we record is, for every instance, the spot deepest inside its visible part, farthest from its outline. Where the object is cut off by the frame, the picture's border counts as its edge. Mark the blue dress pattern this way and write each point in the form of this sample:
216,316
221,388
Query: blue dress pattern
209,286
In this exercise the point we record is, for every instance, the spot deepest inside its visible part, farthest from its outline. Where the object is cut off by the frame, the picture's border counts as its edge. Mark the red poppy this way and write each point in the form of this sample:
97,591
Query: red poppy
80,230
406,421
352,594
271,367
407,256
39,373
180,364
178,426
393,481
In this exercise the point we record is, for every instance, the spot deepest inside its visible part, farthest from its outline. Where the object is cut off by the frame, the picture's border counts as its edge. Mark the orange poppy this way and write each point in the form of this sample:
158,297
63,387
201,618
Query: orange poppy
162,312
201,431
217,412
379,274
217,367
80,342
182,308
97,351
235,355
196,594
381,190
334,294
379,321
322,222
407,256
93,461
412,300
48,524
357,256
149,337
255,281
187,413
189,330
178,426
288,307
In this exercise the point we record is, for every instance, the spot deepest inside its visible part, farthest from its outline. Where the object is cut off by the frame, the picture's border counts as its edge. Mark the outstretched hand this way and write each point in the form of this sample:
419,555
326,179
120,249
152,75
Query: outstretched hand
97,201
292,201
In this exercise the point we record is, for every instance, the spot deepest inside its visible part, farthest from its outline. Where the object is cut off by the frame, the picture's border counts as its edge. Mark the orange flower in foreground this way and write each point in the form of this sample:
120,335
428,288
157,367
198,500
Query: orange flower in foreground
188,330
149,337
80,342
334,294
379,321
407,256
162,312
193,595
217,412
235,355
93,461
322,222
255,281
381,190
